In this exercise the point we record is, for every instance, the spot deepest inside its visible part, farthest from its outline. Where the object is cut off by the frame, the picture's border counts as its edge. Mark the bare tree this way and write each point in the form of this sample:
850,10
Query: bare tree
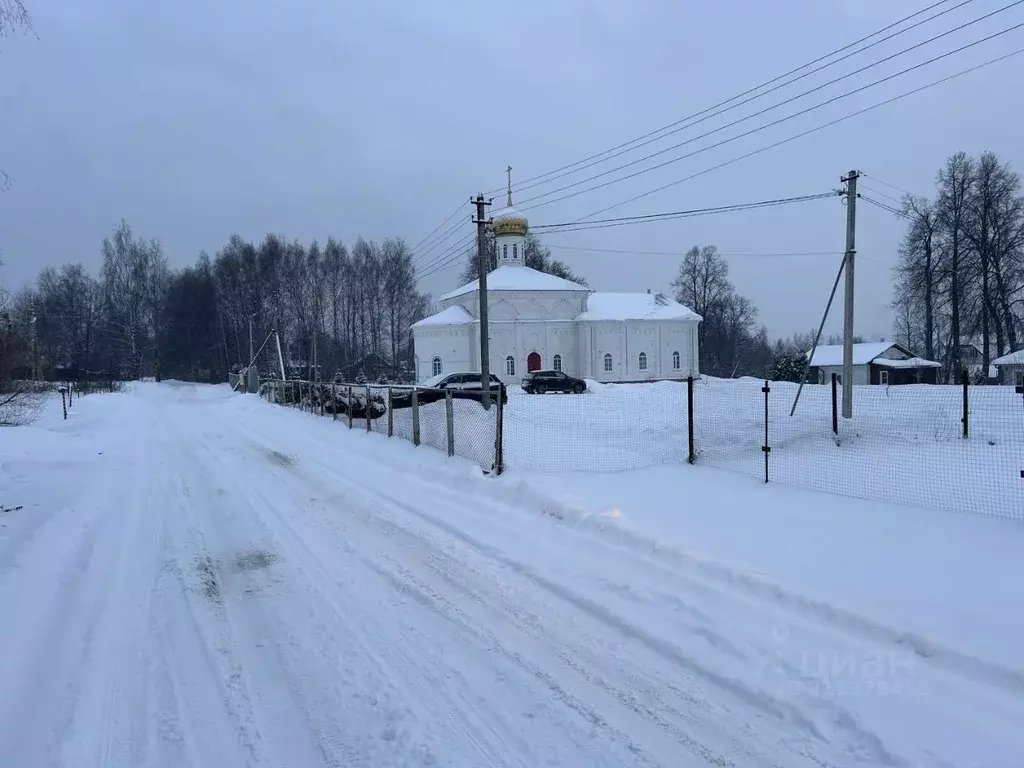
135,278
916,277
703,285
21,399
955,184
13,17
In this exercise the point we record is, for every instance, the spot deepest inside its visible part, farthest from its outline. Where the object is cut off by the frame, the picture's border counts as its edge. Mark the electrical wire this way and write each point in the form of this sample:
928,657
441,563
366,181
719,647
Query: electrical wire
886,195
677,254
671,215
455,253
752,130
810,131
883,206
739,96
887,184
445,259
714,113
436,242
450,217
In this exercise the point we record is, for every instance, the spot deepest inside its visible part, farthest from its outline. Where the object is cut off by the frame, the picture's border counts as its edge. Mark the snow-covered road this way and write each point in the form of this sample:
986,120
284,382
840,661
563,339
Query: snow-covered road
203,579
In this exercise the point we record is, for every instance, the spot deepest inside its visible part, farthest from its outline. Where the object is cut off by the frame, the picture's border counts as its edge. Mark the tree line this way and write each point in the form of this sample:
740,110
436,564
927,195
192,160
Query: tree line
138,317
960,278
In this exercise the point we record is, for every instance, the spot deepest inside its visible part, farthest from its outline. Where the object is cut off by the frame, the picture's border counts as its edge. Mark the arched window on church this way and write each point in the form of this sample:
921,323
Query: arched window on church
556,361
643,361
675,361
515,251
607,363
436,366
510,366
504,251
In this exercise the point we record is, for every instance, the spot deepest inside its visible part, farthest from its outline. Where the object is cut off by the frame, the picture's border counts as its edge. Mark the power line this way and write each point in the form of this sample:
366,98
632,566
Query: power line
739,96
671,215
891,186
450,217
680,255
726,255
883,206
883,194
454,254
446,259
419,254
808,132
762,127
708,114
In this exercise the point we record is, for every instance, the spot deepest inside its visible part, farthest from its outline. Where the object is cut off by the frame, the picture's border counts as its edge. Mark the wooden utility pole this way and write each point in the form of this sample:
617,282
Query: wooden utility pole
485,347
851,250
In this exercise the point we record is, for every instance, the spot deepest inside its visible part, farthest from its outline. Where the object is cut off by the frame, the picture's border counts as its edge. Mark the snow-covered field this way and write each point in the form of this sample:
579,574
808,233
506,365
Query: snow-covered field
201,578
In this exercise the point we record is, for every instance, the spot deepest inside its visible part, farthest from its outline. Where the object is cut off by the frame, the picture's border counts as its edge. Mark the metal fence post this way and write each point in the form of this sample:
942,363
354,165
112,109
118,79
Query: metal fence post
449,417
334,402
966,415
499,436
391,412
348,406
415,418
64,403
71,395
367,406
692,456
766,448
835,405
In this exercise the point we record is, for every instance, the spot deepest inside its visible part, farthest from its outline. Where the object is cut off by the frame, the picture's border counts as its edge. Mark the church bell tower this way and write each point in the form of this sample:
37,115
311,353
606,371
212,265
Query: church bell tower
510,228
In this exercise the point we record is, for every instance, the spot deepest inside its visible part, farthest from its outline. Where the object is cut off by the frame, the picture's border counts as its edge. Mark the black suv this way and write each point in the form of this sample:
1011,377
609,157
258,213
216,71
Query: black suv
467,386
540,382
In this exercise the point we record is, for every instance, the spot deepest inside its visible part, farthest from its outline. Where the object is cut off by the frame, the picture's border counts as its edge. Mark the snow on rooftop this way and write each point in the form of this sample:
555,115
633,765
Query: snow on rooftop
635,306
517,278
910,362
1014,358
452,316
863,354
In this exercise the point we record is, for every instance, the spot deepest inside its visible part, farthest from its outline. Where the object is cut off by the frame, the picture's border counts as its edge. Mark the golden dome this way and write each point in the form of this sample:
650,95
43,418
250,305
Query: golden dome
509,221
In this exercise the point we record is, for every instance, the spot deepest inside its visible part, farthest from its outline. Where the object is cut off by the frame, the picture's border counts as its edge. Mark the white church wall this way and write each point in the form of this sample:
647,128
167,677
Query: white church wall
625,340
608,338
519,339
450,343
679,337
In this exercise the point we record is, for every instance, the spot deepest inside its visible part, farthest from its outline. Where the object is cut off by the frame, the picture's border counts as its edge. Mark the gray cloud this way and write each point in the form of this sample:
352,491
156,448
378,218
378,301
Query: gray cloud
195,120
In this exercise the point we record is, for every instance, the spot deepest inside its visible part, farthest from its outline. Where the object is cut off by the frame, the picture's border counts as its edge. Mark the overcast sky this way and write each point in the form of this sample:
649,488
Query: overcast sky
196,119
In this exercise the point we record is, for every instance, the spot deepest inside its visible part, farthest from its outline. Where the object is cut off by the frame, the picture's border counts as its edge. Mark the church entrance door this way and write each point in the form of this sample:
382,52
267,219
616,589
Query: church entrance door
533,362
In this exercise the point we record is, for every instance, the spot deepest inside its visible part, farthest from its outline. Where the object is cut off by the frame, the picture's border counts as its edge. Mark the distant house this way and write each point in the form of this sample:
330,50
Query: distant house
970,354
880,362
1011,368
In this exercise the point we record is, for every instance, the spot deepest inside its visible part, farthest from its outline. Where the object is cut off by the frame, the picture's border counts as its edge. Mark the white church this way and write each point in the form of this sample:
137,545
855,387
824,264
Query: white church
541,322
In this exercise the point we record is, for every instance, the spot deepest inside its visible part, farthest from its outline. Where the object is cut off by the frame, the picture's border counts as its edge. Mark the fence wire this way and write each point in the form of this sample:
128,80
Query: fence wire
610,427
905,444
388,410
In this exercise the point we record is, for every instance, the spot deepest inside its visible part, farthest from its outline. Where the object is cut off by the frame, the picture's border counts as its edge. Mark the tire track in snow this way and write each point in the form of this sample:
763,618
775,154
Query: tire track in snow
851,736
318,562
623,698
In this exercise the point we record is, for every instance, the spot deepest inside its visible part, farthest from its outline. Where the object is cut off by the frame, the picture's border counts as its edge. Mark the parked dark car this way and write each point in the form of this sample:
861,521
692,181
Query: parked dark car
540,382
464,386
